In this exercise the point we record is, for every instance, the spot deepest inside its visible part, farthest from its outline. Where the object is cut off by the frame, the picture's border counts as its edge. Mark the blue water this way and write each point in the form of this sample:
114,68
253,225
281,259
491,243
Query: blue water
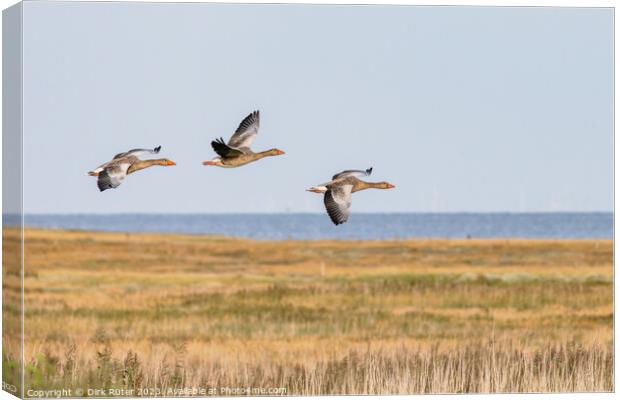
360,226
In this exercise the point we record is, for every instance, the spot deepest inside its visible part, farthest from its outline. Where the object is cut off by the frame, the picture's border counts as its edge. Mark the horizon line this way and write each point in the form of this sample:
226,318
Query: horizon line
311,212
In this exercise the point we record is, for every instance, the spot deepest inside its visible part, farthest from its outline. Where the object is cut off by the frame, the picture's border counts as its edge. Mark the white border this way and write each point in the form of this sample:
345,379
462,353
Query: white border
515,3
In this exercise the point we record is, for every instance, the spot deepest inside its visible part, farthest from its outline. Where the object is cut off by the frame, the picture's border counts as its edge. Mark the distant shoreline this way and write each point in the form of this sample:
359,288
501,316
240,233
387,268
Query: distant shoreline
97,234
360,226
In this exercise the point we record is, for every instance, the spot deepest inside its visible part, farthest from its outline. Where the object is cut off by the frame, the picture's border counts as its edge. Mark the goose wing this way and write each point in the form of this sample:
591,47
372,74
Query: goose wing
246,132
337,202
137,152
112,176
225,150
352,172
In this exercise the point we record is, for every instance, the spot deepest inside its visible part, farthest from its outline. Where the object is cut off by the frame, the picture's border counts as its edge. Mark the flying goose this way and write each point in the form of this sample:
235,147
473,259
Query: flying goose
338,192
237,151
111,174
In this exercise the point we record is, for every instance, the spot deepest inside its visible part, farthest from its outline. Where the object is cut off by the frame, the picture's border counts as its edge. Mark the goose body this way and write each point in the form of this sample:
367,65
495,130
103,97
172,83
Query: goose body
338,191
112,173
237,151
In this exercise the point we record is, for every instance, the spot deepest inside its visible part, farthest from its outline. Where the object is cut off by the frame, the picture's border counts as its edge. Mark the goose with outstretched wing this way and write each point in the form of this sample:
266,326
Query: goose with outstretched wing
237,151
338,191
112,173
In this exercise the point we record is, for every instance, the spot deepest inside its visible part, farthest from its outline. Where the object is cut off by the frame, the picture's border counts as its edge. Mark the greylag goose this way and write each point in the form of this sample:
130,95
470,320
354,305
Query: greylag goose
338,192
237,151
111,174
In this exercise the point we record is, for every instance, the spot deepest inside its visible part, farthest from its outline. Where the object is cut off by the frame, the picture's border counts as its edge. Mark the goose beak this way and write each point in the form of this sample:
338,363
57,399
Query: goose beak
209,162
390,186
91,173
313,190
170,162
280,152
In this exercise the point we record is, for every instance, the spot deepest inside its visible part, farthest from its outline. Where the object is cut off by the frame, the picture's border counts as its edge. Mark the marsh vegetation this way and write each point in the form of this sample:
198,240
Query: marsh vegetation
319,317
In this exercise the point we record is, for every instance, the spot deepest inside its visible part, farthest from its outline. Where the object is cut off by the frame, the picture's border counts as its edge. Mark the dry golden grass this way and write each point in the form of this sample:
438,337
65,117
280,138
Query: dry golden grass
314,317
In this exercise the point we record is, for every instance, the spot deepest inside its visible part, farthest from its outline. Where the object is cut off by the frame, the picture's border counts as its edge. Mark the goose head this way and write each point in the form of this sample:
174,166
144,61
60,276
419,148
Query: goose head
275,152
385,185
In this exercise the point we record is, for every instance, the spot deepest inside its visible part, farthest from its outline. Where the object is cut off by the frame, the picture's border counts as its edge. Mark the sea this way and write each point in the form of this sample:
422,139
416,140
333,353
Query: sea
540,225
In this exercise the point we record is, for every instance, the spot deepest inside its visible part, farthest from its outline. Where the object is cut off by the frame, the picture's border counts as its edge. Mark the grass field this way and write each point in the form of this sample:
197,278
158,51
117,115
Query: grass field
156,314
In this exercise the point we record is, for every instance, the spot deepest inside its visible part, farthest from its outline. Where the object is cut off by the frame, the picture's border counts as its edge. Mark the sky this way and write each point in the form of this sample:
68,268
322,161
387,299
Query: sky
462,108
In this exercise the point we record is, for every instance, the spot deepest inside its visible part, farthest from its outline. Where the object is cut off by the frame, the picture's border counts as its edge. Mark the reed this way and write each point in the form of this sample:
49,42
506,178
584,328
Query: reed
158,314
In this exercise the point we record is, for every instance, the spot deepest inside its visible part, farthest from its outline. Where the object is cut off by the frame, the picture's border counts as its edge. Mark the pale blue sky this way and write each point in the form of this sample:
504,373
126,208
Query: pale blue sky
462,108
